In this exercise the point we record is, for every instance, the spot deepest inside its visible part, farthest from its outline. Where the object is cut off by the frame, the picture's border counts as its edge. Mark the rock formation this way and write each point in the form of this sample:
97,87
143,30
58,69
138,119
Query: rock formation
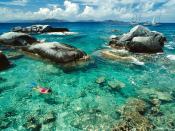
140,40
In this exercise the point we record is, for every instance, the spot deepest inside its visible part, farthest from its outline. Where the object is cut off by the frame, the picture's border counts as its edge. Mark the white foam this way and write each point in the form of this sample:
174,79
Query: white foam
119,51
137,62
160,53
169,47
42,40
11,35
112,36
171,57
62,33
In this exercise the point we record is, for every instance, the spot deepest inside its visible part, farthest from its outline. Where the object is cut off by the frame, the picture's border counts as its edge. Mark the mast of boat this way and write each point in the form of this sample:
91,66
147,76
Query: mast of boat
154,21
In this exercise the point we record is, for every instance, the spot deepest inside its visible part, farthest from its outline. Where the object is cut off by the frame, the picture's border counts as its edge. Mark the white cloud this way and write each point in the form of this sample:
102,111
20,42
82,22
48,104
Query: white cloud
97,9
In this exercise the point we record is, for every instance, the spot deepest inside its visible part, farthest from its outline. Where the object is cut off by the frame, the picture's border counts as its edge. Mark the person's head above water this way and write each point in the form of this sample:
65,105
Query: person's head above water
49,91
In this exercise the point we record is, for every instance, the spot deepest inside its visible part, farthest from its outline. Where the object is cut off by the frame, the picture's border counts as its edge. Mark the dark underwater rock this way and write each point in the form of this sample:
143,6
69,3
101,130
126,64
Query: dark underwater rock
35,29
4,62
56,52
49,118
4,123
10,113
32,124
16,39
140,40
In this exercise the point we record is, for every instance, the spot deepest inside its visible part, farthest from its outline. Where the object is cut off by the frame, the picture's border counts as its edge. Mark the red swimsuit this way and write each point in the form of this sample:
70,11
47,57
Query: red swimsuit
43,90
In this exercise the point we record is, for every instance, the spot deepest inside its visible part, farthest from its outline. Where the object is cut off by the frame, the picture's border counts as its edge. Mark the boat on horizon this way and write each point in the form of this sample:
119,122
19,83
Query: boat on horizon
154,23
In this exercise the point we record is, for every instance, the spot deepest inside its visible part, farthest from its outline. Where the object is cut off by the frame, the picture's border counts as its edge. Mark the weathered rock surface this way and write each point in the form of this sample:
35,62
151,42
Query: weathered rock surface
16,39
4,63
56,52
140,40
35,29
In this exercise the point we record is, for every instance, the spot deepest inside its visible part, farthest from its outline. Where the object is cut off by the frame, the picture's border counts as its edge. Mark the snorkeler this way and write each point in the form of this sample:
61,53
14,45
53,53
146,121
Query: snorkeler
41,89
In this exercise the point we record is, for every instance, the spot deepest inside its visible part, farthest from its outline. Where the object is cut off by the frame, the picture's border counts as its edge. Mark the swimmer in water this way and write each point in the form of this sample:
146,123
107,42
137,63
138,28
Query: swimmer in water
42,90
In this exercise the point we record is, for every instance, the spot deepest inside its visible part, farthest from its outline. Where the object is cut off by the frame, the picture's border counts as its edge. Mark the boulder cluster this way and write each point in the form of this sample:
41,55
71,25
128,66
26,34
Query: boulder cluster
16,39
140,40
53,51
35,29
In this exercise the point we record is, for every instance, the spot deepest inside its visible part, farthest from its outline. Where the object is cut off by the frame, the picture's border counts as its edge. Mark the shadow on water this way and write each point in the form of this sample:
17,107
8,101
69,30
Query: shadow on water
6,88
82,68
2,79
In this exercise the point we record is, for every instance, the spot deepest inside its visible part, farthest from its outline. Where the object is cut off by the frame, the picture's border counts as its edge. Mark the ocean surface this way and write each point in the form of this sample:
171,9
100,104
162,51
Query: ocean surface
77,101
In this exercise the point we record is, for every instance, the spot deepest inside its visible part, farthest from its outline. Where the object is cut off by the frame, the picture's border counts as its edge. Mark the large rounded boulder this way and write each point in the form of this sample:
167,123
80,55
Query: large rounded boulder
56,52
16,39
140,40
36,29
4,63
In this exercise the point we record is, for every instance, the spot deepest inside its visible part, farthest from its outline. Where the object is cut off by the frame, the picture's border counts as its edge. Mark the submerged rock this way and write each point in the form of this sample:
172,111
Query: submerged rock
132,117
4,123
14,55
32,124
140,40
56,52
16,39
120,55
10,113
49,118
163,96
116,84
39,29
100,80
136,105
4,63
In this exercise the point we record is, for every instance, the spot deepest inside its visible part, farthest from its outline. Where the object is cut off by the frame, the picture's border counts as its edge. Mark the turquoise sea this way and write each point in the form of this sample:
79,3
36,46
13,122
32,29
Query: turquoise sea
77,101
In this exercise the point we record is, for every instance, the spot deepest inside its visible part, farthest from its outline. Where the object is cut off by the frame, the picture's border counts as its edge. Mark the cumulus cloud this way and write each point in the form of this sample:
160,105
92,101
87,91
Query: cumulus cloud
96,9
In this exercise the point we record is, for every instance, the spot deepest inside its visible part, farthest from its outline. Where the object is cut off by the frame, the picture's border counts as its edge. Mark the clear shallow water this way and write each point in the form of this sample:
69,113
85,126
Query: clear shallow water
77,101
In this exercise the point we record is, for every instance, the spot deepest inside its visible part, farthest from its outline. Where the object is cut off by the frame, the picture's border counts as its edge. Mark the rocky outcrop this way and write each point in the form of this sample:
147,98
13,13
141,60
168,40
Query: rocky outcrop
56,52
4,63
140,40
35,29
16,39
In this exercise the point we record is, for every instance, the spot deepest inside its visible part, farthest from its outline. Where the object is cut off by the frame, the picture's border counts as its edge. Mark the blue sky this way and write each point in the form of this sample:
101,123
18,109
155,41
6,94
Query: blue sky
74,10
